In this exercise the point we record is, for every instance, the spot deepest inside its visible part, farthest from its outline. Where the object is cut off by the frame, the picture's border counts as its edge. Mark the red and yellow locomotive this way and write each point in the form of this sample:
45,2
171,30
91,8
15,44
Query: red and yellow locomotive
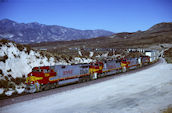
47,77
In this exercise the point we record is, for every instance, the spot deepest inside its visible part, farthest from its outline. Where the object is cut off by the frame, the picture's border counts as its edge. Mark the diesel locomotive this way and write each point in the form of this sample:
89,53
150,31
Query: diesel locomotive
48,77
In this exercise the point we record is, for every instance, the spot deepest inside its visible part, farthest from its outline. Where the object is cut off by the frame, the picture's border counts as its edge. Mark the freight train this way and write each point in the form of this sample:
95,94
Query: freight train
48,77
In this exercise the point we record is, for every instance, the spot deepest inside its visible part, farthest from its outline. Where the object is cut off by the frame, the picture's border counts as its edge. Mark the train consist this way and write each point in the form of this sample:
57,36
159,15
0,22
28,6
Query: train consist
48,77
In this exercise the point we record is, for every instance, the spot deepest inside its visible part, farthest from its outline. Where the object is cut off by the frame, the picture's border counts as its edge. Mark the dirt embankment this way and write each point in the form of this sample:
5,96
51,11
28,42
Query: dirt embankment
168,55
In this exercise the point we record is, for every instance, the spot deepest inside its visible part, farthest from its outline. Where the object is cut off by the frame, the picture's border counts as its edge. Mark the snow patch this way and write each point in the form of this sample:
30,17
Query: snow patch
91,54
1,90
20,90
79,52
10,92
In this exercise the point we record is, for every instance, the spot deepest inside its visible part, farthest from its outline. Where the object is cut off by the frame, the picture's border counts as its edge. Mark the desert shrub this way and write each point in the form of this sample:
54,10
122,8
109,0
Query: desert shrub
37,57
41,62
14,55
11,85
18,81
110,53
4,58
4,41
6,78
20,47
48,56
29,63
9,70
66,60
168,55
23,76
2,96
1,72
12,79
3,83
70,58
168,110
28,49
8,46
41,53
85,53
9,75
168,52
57,58
63,56
15,93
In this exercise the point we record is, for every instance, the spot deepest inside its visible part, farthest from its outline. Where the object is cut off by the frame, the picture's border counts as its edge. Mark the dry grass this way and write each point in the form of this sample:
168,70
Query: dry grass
168,110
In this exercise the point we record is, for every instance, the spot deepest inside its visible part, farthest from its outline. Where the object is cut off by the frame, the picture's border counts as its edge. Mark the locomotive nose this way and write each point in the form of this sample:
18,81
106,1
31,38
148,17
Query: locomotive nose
30,74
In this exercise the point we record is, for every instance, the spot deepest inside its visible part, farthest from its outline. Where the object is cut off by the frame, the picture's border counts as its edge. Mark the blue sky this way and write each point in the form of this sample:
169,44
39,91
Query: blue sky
113,15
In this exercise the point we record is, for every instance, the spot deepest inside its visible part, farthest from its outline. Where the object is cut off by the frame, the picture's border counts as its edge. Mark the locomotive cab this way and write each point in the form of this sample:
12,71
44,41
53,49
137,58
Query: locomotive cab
38,77
124,64
95,69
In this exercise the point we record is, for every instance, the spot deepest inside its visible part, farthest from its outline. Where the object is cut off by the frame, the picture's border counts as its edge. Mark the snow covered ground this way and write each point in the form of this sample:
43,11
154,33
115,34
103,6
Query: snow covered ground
147,91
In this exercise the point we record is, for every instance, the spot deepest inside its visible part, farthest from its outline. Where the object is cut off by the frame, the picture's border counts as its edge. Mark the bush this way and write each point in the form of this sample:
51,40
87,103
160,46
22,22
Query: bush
3,83
4,58
18,81
168,110
168,55
4,41
13,80
9,70
1,72
9,75
11,85
28,49
20,47
57,58
6,78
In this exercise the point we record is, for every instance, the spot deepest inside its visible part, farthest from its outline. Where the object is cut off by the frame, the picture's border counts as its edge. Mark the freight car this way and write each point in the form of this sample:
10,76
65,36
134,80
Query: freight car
48,77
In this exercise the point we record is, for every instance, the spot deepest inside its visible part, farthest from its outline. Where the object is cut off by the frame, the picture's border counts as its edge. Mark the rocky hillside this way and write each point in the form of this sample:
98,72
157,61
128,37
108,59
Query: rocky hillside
35,32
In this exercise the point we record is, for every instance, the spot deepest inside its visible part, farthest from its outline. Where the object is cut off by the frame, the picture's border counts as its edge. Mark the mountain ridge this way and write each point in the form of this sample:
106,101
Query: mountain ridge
35,32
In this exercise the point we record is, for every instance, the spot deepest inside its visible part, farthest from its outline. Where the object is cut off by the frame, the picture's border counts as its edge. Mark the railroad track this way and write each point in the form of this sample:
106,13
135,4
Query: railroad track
27,97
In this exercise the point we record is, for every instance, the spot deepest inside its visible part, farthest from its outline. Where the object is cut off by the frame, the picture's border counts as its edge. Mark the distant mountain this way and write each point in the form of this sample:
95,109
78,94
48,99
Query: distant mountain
35,32
156,36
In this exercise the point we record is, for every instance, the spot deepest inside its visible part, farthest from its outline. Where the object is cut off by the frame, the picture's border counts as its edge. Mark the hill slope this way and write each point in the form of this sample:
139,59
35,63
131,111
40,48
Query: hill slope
158,35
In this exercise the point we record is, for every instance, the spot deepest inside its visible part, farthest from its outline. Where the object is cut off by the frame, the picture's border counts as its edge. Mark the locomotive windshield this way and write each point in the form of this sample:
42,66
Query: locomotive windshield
36,70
